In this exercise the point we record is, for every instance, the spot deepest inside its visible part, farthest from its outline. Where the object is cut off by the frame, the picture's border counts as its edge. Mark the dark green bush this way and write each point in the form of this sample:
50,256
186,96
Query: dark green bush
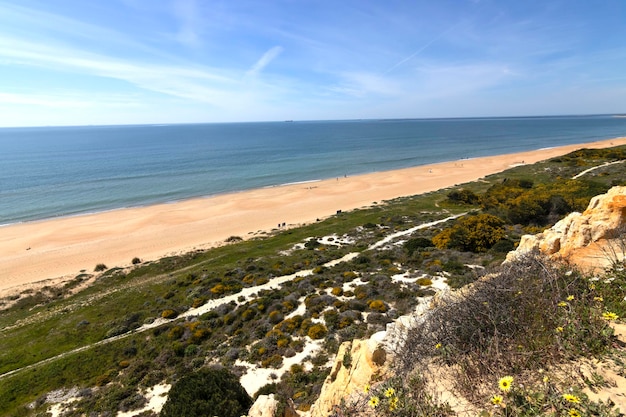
100,268
312,244
208,392
414,244
503,246
463,197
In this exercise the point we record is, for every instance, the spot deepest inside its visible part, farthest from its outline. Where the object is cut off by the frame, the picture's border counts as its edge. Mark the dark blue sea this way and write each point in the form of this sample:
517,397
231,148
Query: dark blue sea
48,172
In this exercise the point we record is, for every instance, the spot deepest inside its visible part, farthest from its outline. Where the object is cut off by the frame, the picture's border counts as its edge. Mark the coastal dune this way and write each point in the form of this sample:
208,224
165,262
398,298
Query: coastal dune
46,252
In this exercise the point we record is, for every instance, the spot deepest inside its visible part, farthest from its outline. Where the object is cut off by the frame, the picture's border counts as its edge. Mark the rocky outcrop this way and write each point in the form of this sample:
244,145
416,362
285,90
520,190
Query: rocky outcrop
358,361
264,406
583,238
355,363
268,406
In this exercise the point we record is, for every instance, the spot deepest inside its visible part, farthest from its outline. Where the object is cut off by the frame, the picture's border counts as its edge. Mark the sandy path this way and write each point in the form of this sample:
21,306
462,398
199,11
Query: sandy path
37,251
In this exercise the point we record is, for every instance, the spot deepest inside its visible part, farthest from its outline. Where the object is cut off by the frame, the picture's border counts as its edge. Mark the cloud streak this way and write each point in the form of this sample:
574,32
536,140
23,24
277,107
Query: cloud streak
67,100
270,55
183,82
422,49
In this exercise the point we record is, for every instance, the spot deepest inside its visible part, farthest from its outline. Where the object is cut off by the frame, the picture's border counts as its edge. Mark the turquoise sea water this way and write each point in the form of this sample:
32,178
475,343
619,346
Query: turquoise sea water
58,171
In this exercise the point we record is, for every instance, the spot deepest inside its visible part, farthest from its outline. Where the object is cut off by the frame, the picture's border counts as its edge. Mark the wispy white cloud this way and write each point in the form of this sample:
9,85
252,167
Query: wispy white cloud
362,84
422,48
449,80
264,61
42,26
68,100
199,84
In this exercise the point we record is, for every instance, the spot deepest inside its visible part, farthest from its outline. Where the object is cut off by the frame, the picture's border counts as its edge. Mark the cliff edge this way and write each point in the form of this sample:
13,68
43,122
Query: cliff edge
591,239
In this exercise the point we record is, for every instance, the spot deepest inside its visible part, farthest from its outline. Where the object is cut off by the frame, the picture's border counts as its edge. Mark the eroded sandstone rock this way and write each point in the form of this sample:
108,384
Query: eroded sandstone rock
582,237
264,406
354,366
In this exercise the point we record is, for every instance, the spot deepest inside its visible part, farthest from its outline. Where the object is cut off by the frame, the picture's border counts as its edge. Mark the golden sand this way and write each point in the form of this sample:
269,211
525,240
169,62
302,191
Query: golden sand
36,251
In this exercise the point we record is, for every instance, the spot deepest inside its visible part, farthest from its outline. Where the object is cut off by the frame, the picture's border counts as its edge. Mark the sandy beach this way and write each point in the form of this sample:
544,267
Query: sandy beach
58,249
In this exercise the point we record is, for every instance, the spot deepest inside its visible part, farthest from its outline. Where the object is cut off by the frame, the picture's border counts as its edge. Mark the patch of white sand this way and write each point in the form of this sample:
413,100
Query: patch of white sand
335,240
331,240
300,311
61,400
156,396
255,377
439,282
351,285
408,277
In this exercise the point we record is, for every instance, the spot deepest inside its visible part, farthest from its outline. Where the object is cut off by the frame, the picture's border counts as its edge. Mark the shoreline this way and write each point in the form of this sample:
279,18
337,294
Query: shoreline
53,250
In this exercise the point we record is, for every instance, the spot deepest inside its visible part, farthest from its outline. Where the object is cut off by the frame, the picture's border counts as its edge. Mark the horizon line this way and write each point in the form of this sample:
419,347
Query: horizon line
373,119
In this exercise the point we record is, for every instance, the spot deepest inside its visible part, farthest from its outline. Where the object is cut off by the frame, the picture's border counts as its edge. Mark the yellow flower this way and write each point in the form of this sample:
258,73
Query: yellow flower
373,402
610,316
570,297
438,346
559,329
505,383
393,404
571,398
574,412
497,400
546,379
389,392
366,388
562,304
600,299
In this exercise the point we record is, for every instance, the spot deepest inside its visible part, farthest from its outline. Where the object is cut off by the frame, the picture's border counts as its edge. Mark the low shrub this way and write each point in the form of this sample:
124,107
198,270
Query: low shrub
208,392
349,275
100,268
317,331
169,314
417,243
424,281
377,305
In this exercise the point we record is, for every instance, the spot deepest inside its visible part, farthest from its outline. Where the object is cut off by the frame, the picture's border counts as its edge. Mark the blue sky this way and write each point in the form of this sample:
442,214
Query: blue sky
76,62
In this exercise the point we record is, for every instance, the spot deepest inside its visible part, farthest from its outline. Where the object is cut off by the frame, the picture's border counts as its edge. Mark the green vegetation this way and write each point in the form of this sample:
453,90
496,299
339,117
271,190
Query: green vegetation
207,392
100,268
330,305
475,233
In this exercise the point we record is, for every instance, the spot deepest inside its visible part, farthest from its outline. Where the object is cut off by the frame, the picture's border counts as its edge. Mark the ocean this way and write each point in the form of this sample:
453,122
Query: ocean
48,172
